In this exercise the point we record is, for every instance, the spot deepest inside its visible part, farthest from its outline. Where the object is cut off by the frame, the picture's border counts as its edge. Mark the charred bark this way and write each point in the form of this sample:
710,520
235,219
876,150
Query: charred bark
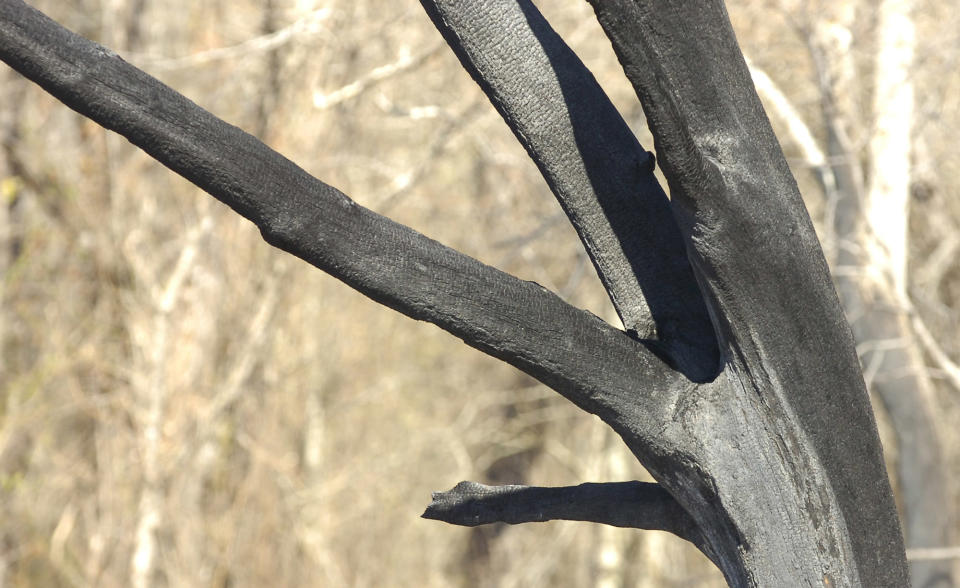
736,382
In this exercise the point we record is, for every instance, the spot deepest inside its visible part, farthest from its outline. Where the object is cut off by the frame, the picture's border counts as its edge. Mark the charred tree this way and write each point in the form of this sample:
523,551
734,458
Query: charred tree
735,381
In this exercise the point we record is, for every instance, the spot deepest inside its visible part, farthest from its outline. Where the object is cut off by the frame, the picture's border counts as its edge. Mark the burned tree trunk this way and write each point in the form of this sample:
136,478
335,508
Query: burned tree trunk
735,380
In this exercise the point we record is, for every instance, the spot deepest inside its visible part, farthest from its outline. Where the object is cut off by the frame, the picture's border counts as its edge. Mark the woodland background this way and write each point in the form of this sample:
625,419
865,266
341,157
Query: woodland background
181,405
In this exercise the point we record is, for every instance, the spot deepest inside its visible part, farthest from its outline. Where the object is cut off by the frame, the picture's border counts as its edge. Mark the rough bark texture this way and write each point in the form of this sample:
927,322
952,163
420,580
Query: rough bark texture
517,321
635,505
600,174
880,324
754,250
869,218
776,458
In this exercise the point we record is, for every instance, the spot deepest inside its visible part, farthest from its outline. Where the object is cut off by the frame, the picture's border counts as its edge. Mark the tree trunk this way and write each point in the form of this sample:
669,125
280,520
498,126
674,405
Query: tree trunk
868,228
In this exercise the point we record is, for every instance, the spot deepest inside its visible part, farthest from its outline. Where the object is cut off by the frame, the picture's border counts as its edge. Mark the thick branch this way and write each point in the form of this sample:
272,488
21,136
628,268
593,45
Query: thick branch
580,356
636,505
598,171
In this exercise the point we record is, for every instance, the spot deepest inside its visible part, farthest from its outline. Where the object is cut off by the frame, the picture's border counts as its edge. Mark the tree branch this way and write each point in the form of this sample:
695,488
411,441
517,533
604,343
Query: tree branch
591,160
594,365
305,26
948,368
636,505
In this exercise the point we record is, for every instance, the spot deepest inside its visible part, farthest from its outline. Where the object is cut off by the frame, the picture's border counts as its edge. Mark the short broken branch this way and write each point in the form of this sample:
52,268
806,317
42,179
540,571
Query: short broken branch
636,505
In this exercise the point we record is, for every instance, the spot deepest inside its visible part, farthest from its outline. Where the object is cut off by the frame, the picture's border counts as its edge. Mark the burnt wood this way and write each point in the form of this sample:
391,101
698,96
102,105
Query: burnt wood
636,505
735,382
755,252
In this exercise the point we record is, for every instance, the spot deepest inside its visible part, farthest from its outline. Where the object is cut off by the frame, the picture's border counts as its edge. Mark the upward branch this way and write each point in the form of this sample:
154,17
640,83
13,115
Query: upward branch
594,365
593,163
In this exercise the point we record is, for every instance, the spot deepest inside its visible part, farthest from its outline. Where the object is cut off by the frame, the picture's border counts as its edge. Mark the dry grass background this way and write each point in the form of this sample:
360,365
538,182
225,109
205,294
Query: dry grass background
158,358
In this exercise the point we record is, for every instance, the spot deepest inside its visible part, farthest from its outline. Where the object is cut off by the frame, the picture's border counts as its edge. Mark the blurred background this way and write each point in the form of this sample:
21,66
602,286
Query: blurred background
181,405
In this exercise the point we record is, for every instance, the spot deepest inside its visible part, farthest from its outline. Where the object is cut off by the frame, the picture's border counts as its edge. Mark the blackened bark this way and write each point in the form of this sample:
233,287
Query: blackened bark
520,322
595,166
755,252
636,505
776,458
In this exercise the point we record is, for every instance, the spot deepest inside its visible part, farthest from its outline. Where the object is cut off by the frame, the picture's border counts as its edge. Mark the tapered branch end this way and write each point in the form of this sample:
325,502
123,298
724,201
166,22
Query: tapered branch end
622,504
471,504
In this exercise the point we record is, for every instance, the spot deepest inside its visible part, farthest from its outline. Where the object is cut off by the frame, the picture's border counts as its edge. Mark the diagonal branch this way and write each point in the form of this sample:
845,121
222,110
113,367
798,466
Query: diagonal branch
307,25
404,63
637,505
591,160
594,365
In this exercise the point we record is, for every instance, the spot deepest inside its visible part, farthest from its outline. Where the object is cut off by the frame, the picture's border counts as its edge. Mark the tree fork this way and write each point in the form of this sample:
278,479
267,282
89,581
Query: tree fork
776,459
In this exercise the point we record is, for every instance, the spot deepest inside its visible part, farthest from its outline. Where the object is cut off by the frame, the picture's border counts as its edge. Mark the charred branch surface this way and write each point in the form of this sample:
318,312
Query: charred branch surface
594,365
636,505
782,331
777,459
591,160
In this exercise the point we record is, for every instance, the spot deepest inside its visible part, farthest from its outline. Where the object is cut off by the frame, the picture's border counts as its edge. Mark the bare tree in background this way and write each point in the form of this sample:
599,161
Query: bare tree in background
697,456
